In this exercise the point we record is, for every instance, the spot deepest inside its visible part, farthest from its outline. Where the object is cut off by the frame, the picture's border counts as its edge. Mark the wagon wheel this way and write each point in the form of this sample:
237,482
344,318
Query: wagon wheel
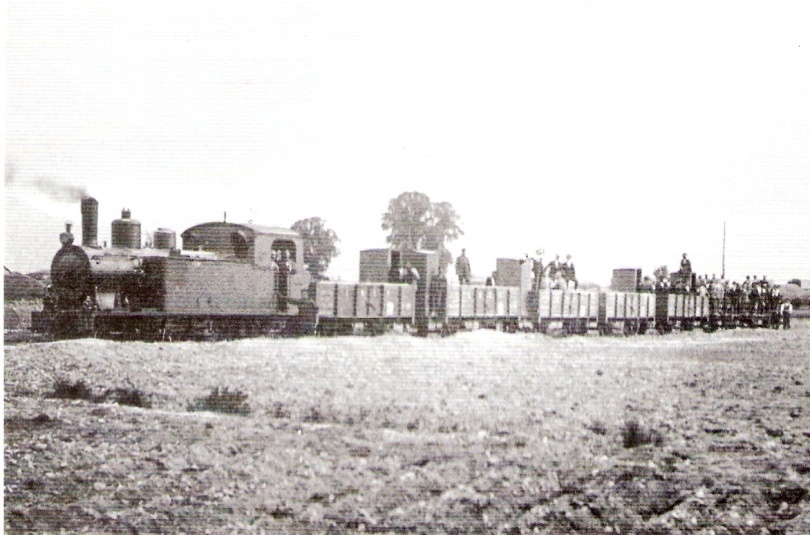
642,328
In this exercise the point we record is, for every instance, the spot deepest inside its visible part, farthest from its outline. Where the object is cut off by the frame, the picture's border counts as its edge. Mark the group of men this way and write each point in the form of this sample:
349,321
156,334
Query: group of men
557,275
752,296
562,275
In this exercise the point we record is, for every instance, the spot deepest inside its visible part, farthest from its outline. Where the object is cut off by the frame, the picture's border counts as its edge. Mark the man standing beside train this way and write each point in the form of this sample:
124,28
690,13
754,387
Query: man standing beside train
785,309
463,269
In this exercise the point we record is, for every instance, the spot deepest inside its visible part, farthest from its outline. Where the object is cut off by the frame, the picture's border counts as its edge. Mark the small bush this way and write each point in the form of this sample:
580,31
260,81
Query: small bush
634,434
222,400
128,396
63,389
598,427
279,410
314,416
133,397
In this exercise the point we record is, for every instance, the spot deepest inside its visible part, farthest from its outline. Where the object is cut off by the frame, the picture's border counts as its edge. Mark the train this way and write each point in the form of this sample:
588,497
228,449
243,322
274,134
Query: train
234,280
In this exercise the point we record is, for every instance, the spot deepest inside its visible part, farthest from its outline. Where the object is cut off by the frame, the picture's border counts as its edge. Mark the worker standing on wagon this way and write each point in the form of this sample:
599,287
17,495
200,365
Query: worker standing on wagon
569,273
537,271
554,268
755,294
463,268
686,265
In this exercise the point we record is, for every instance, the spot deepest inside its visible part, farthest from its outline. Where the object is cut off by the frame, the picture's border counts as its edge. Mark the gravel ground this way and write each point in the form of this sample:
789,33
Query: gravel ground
480,432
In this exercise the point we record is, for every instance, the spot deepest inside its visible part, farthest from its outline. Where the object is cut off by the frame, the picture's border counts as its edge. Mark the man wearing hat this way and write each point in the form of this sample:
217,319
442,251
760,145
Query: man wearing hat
686,265
463,268
537,270
569,272
785,309
553,268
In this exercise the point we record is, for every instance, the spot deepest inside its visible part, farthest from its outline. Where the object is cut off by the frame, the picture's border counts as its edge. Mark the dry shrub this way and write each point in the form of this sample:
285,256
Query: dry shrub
634,434
222,400
314,415
128,396
64,389
598,427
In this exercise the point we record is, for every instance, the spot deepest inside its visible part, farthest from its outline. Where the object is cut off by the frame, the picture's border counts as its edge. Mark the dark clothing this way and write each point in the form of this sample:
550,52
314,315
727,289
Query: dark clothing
571,274
463,269
786,309
553,268
283,275
537,269
393,274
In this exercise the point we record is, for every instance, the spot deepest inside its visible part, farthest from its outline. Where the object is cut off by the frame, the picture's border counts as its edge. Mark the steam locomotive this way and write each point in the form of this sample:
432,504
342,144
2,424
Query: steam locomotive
234,280
230,279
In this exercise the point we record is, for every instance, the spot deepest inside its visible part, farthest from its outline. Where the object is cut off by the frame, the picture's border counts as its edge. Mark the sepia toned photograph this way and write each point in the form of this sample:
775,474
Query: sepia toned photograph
406,267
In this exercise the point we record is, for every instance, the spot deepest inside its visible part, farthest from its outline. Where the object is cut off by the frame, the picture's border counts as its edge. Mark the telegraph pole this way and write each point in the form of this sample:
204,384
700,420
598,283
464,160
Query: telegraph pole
723,270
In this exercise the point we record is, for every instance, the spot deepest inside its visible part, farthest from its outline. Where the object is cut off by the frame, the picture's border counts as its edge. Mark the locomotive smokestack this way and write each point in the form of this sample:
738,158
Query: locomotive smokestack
89,222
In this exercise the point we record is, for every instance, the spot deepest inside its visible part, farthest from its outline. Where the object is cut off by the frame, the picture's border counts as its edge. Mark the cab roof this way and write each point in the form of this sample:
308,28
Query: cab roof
248,229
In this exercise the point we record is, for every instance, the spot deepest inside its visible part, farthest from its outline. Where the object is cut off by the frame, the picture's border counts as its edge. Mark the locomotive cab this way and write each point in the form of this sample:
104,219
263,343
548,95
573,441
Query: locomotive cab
274,277
246,243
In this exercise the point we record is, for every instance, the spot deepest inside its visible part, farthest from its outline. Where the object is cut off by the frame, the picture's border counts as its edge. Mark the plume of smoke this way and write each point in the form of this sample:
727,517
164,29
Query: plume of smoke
59,191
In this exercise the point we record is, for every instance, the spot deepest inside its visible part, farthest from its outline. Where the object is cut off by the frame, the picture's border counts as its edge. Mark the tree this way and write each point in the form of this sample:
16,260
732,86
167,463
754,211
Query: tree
319,245
442,226
414,222
407,220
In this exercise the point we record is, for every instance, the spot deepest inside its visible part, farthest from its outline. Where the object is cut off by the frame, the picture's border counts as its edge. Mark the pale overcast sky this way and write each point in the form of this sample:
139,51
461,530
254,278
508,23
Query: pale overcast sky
623,133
